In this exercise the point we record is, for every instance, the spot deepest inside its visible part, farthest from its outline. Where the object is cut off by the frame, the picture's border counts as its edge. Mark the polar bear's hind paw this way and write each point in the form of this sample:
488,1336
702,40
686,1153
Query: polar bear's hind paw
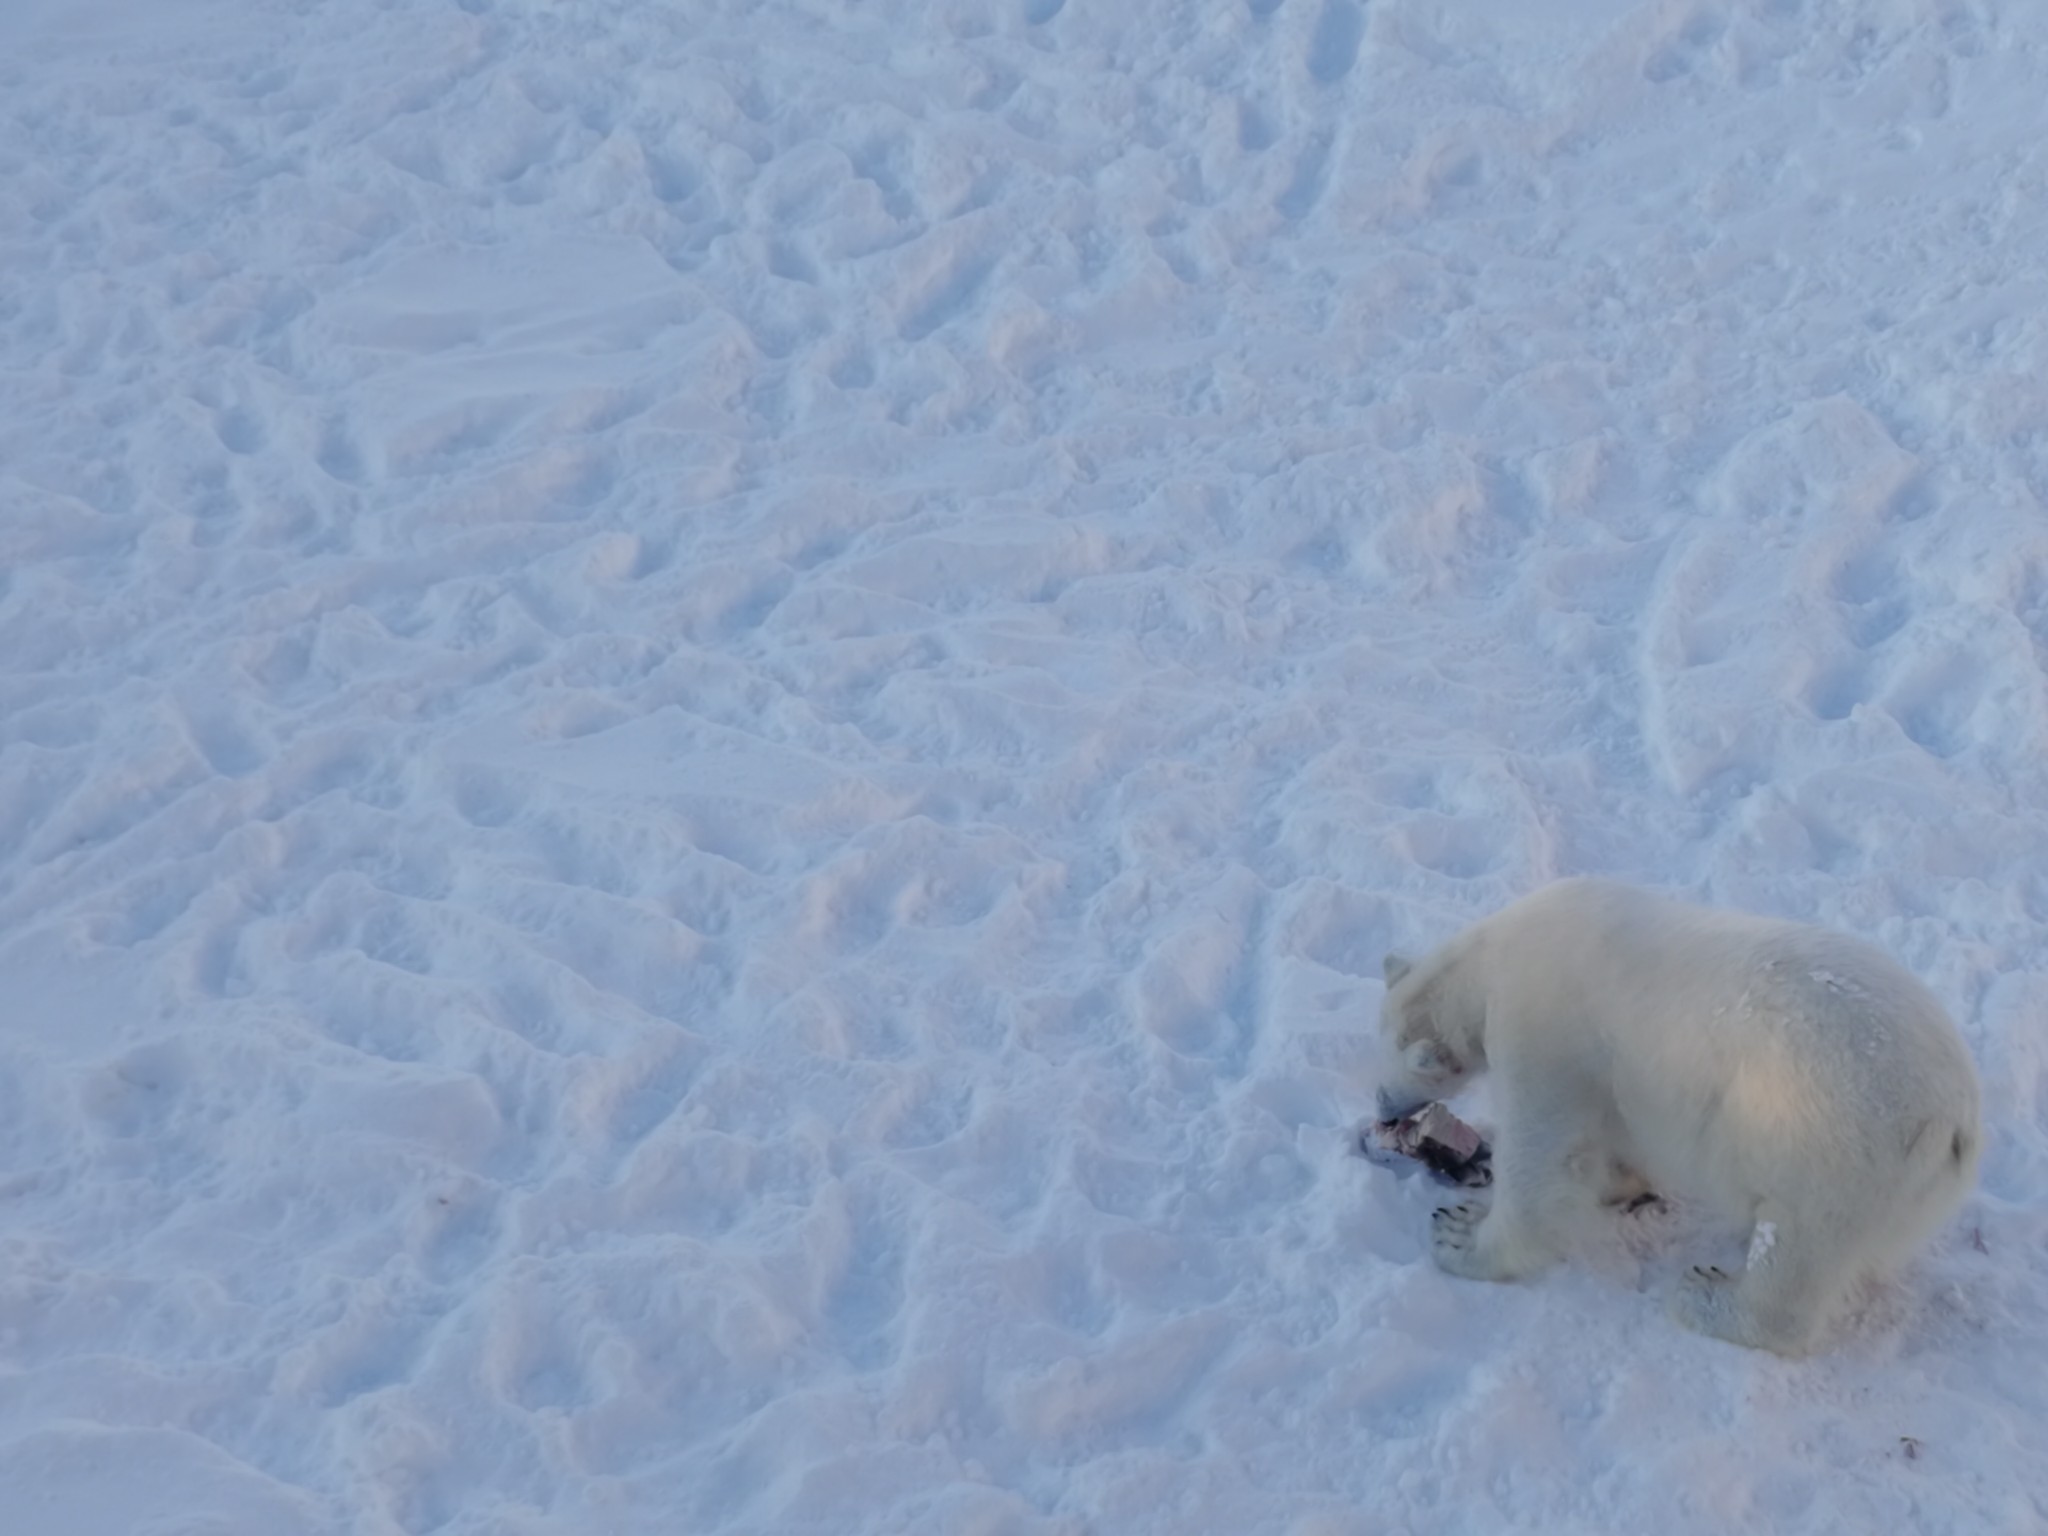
1709,1300
1702,1301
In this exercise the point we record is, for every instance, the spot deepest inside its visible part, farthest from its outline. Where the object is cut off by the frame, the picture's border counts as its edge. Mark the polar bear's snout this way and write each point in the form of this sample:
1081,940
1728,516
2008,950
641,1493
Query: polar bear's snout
1422,1073
1420,1061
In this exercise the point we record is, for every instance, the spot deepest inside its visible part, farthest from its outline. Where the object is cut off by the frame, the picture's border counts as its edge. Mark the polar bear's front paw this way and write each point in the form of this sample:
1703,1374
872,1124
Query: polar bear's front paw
1454,1242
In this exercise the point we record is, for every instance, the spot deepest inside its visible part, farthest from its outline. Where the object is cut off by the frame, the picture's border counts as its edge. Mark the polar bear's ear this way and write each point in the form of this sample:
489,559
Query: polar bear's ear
1394,967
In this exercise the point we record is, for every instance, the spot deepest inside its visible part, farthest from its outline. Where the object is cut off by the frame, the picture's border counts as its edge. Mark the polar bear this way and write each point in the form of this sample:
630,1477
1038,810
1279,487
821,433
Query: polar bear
1781,1075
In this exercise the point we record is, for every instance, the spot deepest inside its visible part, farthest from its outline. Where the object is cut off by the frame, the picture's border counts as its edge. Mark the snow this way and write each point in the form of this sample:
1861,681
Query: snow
711,716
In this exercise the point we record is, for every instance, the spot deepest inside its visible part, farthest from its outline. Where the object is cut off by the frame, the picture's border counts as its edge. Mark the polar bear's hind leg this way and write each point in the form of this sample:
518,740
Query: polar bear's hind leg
1790,1285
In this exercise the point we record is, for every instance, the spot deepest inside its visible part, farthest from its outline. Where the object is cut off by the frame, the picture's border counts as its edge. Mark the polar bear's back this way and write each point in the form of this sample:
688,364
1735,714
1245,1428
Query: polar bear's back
1709,960
1855,1001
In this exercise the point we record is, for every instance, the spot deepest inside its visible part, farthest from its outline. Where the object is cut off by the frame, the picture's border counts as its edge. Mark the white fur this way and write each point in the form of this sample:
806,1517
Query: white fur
1783,1075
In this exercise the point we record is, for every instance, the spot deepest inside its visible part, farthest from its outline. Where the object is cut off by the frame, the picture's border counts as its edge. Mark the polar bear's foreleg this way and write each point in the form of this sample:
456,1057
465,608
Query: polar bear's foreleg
1793,1279
1536,1187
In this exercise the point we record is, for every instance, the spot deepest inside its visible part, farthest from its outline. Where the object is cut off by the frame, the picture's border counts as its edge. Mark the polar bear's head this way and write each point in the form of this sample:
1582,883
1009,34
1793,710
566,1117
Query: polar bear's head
1428,1051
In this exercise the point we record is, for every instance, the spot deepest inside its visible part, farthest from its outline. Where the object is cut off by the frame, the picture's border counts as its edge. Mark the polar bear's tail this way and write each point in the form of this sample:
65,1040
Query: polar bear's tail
1941,1170
1963,1149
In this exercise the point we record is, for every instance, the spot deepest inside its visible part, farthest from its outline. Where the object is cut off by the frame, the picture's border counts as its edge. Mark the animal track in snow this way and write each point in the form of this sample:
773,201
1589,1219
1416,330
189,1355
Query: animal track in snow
925,1110
241,432
1061,1282
1834,691
340,455
1340,929
1196,992
1460,848
1936,704
229,748
139,1094
455,1230
537,1354
144,907
1332,52
1868,575
1255,130
378,1342
1311,177
1685,48
946,293
643,1094
864,1261
486,797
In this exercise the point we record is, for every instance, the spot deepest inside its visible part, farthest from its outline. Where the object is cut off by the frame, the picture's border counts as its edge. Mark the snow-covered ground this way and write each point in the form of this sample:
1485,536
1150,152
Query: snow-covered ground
711,714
